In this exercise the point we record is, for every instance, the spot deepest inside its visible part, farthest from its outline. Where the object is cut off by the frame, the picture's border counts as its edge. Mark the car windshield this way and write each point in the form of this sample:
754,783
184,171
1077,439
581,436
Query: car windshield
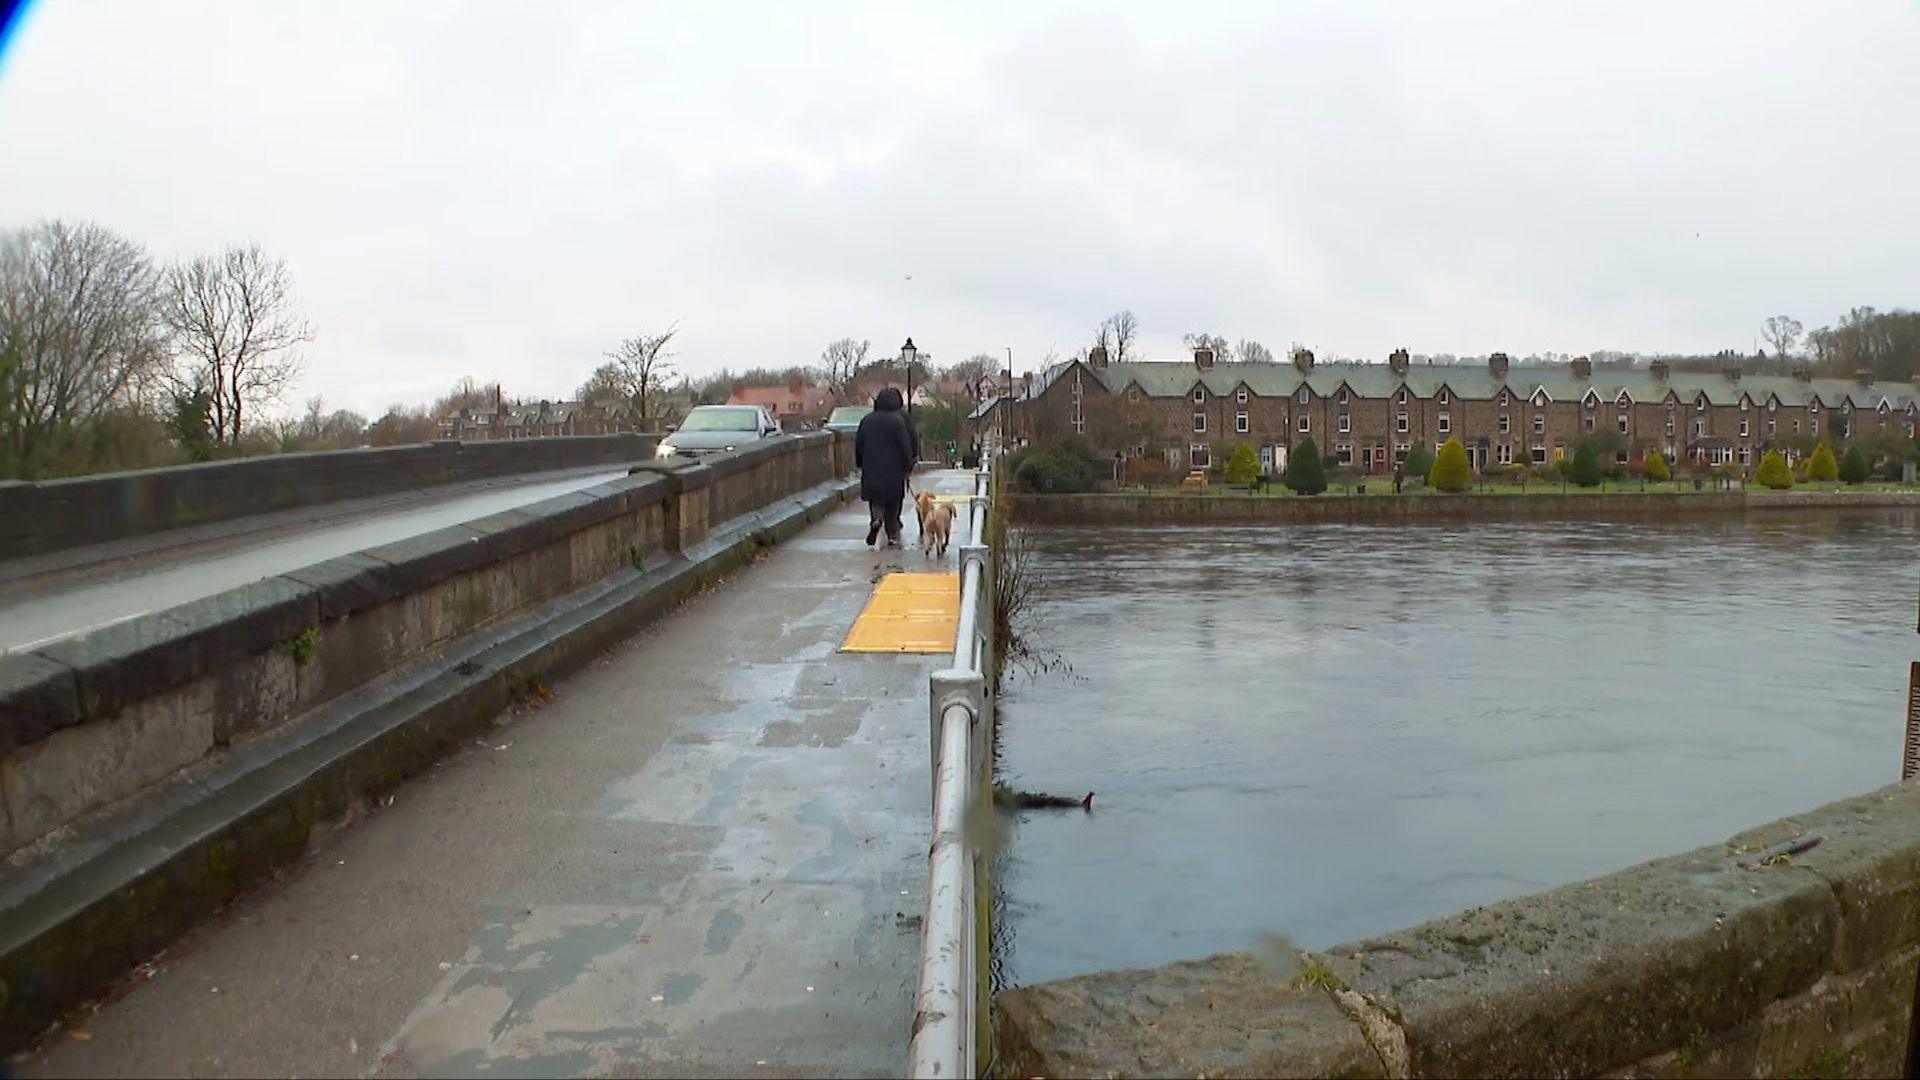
722,419
848,414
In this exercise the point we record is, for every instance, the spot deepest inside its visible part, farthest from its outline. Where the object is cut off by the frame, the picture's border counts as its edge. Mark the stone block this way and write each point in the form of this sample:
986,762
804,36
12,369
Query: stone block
1225,1016
38,695
1869,853
420,561
346,584
1593,976
132,661
78,768
254,694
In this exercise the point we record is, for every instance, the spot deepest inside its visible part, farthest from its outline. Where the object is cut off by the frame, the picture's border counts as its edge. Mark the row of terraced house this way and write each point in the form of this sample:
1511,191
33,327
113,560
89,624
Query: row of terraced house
1367,415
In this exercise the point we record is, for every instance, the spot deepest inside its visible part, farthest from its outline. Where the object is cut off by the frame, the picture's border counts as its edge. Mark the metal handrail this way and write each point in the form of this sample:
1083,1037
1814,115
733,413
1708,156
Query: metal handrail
944,1019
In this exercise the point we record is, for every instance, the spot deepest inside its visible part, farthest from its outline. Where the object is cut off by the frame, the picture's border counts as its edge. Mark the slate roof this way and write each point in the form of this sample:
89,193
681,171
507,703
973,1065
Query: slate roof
1177,378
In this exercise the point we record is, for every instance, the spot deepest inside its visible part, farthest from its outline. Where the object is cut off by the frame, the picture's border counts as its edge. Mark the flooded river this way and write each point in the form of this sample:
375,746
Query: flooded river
1328,732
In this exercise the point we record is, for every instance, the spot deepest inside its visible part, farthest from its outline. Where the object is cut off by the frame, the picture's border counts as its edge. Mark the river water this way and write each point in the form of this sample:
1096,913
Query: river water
1323,733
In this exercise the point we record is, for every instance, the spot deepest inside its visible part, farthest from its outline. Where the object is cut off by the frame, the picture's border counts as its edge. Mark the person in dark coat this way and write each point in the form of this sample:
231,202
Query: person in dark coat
884,452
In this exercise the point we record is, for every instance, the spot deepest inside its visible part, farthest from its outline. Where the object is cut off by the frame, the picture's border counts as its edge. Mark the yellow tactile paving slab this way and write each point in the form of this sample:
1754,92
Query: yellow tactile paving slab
908,613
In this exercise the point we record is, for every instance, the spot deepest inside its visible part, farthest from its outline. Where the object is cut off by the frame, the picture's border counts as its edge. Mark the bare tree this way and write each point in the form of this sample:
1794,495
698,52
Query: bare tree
79,333
1222,351
1783,333
642,369
1253,352
1117,333
233,320
841,362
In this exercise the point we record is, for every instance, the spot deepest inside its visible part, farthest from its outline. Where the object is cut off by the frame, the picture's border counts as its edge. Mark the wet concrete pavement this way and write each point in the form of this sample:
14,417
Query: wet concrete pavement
704,855
48,598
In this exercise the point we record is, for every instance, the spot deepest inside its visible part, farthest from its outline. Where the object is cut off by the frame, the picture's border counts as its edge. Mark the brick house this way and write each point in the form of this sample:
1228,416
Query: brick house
797,405
1190,414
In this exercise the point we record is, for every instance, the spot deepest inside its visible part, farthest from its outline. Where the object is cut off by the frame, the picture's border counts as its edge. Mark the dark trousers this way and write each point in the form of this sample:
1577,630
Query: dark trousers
886,514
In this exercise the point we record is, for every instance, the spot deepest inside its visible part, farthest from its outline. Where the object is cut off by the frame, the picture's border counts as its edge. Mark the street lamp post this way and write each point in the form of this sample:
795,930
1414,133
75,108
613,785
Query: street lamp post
908,354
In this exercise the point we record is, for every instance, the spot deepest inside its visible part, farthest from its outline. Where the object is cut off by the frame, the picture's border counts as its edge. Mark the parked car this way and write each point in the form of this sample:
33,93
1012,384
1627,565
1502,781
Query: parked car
710,429
846,418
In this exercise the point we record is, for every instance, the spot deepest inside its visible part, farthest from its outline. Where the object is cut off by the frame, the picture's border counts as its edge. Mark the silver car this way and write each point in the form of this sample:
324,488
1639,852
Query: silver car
712,429
847,418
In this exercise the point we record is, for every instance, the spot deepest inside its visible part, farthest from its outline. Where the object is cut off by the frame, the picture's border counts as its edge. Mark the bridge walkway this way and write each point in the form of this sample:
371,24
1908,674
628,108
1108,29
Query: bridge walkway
702,855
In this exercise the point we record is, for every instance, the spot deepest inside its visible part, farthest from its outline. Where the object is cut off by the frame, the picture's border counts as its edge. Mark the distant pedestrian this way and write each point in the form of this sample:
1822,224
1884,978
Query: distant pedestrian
883,451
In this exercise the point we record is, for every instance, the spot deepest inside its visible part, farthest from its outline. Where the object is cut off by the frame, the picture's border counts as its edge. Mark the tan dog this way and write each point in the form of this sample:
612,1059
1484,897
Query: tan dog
923,502
935,526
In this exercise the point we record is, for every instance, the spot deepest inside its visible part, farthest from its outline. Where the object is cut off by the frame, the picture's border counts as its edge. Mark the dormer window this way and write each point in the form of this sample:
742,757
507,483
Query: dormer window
1341,397
1240,395
1700,405
1403,396
1773,406
1199,395
1442,398
1505,397
1815,407
1303,395
1743,404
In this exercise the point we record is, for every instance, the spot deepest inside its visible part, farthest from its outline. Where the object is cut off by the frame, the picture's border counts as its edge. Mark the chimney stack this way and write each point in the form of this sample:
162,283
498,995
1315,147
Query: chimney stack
1660,369
794,385
1026,383
1303,359
1497,363
1398,360
1582,367
1732,372
1864,376
1097,357
1203,358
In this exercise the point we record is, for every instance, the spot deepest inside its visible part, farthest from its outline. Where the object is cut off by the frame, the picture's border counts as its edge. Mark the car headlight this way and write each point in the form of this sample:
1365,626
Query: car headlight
729,449
665,449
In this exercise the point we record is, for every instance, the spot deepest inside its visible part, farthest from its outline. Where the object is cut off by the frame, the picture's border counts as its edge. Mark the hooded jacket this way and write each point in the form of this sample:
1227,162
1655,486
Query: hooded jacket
884,450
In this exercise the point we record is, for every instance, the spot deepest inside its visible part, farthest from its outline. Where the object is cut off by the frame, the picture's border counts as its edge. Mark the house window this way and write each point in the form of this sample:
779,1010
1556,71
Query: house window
1343,453
1400,452
1445,423
1539,454
1743,404
1341,397
1587,421
1346,423
1400,423
1240,396
1506,424
1303,395
1240,422
1505,454
1669,425
1700,405
1699,428
1796,425
1743,427
1303,423
1403,397
1746,456
1199,421
1623,423
1773,406
1813,425
1539,423
1773,425
1199,395
1442,398
1200,454
1815,407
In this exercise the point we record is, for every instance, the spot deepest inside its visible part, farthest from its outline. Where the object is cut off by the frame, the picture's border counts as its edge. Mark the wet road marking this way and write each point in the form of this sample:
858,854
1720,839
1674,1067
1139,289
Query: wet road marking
908,613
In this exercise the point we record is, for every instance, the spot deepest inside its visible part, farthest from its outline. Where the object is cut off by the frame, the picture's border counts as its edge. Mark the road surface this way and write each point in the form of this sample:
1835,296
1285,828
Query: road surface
126,581
704,856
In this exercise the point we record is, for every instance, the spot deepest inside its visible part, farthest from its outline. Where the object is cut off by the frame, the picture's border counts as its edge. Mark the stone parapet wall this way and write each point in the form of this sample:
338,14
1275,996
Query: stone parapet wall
1709,963
41,517
1127,509
98,717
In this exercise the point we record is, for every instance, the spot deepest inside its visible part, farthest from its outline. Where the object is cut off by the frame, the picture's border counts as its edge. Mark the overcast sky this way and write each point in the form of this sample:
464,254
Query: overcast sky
505,190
